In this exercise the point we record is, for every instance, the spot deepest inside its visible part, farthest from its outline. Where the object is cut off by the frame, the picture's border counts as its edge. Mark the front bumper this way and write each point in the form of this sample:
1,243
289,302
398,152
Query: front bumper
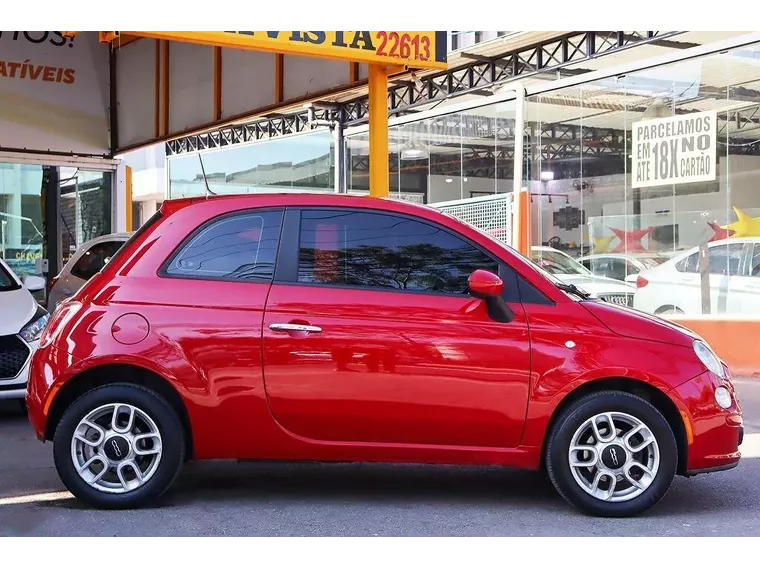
713,433
15,388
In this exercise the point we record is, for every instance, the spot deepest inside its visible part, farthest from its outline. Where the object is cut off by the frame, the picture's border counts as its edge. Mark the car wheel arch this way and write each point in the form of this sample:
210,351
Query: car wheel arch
129,373
658,398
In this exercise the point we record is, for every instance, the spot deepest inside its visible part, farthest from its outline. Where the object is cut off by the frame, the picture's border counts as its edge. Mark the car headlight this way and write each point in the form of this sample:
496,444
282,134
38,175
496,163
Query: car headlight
32,330
723,397
708,358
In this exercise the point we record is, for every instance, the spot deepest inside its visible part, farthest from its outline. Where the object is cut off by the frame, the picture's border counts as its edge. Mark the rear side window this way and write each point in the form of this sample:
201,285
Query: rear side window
90,263
236,247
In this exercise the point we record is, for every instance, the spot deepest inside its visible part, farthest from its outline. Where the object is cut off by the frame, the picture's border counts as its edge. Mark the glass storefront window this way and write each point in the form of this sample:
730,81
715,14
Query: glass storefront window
295,163
450,157
21,226
86,198
633,174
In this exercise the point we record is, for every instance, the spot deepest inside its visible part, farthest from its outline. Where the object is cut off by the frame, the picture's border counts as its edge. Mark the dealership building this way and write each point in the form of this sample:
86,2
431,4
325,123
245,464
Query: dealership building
627,147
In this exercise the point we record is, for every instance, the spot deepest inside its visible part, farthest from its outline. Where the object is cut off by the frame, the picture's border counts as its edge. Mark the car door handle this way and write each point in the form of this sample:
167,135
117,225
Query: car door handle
295,327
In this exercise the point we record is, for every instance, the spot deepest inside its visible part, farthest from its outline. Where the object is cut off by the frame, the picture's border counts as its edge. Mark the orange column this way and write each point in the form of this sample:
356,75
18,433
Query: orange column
379,178
128,196
522,230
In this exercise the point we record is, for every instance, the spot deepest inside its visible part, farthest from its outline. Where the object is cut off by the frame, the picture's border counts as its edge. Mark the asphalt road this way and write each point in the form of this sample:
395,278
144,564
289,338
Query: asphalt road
227,498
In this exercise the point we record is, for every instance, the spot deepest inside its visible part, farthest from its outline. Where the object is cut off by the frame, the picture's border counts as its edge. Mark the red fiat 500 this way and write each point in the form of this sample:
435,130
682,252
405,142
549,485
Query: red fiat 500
338,328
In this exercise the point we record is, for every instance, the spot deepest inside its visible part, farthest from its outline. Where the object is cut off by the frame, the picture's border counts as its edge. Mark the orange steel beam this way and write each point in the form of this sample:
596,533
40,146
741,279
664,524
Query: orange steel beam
217,83
165,84
279,78
158,88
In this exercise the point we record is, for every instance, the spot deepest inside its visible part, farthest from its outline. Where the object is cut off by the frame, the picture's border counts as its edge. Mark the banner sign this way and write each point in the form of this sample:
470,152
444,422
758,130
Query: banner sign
675,150
426,50
54,93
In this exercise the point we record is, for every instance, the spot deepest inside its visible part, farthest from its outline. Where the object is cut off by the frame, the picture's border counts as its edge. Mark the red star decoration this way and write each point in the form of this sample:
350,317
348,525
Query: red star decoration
720,232
630,241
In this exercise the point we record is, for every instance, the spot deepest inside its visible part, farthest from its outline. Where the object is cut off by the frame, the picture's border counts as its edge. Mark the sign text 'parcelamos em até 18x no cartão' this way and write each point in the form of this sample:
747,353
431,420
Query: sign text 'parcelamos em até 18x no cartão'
674,150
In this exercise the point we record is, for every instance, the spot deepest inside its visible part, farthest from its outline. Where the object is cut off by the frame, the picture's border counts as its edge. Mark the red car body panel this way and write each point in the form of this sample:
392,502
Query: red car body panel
398,377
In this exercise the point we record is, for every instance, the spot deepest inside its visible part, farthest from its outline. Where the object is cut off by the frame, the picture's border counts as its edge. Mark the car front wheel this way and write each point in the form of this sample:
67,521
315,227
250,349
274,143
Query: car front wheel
612,454
119,446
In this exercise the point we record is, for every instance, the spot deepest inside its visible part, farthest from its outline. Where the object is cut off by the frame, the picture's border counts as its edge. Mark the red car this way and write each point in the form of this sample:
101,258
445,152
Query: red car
340,328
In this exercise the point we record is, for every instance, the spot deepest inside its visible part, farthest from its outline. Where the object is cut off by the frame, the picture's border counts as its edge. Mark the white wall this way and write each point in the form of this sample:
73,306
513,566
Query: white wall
441,190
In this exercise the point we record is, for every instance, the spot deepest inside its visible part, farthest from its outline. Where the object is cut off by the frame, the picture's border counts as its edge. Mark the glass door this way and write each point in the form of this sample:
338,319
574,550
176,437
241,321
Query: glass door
86,200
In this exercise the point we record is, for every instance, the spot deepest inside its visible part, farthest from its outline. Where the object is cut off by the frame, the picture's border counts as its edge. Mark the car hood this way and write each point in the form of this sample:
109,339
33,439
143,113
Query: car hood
639,325
17,308
595,285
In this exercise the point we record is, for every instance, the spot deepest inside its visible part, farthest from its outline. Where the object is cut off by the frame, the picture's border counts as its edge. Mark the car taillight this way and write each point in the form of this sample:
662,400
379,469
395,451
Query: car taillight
641,282
60,317
52,282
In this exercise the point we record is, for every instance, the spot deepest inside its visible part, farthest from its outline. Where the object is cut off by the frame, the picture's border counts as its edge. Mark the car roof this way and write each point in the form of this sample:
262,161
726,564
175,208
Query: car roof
281,198
238,202
104,238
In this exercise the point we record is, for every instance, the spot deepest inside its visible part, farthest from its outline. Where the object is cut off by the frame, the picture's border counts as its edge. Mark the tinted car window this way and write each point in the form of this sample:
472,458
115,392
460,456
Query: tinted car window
723,259
726,259
755,264
688,264
379,250
599,266
617,269
90,263
239,247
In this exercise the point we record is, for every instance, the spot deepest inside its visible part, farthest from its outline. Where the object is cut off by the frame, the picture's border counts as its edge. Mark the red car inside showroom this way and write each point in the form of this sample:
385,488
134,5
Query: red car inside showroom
339,328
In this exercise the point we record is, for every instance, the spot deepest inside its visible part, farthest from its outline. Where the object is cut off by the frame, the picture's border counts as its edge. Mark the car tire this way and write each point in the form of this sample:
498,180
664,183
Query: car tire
154,427
588,485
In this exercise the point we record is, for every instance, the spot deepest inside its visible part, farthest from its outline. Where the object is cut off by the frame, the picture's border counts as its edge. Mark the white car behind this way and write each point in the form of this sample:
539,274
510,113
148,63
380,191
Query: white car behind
85,263
570,271
22,320
675,287
624,267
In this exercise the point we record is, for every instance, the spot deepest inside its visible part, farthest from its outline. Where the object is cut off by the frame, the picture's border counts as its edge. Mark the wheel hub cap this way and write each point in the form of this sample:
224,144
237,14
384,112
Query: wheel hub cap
117,448
614,456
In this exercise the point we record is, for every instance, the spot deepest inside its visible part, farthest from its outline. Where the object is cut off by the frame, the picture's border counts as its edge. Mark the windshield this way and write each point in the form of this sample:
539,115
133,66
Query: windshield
557,262
7,282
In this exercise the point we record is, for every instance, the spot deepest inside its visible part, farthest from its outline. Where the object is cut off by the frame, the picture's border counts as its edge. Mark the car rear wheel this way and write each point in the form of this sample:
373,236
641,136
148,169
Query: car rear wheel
119,446
612,454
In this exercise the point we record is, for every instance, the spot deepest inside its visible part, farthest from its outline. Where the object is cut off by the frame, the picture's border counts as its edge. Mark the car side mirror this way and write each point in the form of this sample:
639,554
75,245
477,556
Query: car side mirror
488,287
483,284
34,283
